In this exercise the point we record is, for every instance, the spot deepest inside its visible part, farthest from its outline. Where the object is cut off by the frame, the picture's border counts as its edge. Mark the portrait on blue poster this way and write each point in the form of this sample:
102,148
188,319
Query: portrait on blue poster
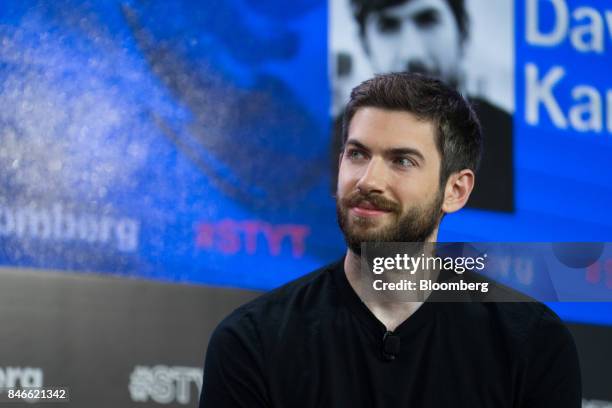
467,44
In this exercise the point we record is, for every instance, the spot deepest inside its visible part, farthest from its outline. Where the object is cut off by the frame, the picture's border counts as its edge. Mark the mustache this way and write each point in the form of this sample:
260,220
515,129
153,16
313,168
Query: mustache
375,199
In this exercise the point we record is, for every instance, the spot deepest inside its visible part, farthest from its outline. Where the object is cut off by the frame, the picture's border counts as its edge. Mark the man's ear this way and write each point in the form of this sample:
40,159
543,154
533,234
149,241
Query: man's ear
458,188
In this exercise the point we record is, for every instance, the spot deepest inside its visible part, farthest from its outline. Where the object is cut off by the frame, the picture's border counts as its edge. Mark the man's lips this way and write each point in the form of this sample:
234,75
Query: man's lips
366,209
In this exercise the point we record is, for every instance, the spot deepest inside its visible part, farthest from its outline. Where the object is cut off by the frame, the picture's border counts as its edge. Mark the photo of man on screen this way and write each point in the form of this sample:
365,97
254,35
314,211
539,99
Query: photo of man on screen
430,37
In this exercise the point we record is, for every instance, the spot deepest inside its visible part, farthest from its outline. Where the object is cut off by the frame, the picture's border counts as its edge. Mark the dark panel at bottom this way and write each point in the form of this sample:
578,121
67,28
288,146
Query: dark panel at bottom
118,342
113,342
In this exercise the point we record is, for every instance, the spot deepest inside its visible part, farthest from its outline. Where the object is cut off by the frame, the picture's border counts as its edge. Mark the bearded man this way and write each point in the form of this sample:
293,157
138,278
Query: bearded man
411,149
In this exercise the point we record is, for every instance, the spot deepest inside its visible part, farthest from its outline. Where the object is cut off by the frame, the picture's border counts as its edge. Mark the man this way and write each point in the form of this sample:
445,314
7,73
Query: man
412,146
429,36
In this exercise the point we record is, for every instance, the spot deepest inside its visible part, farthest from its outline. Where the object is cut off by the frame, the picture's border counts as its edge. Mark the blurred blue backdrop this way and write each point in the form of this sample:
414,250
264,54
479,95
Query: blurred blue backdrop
190,141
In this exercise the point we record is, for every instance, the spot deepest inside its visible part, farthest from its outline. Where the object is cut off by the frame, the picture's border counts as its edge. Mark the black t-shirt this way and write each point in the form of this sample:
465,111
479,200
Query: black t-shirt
313,343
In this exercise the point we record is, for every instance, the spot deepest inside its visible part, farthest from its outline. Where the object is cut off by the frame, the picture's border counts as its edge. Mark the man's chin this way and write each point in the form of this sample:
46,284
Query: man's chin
368,229
371,234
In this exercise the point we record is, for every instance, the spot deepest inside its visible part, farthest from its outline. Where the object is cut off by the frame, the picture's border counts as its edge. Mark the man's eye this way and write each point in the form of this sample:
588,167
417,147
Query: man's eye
388,24
355,154
404,162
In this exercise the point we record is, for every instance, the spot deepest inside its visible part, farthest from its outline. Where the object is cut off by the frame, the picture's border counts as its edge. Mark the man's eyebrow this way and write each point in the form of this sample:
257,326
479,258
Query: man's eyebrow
357,144
397,151
427,15
406,151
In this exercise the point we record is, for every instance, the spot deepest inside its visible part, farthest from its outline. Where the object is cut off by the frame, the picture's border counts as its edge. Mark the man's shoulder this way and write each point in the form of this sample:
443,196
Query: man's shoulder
514,307
543,346
526,316
306,294
522,324
506,309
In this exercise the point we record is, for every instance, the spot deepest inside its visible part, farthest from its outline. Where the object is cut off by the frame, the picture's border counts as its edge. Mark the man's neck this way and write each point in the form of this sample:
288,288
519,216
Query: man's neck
391,314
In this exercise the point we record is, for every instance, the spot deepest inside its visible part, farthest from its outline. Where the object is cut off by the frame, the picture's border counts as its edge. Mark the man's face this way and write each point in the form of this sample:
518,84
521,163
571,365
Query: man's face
388,182
417,36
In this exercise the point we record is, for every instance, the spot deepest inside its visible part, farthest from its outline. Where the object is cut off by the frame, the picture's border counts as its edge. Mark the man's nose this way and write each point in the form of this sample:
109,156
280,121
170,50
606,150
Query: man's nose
373,178
413,49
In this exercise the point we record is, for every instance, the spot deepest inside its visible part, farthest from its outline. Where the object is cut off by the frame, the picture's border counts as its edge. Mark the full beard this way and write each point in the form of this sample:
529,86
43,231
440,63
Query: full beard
416,225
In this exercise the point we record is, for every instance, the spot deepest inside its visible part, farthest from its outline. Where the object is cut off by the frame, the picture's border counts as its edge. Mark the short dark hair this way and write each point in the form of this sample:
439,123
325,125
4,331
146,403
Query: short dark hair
458,135
362,8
